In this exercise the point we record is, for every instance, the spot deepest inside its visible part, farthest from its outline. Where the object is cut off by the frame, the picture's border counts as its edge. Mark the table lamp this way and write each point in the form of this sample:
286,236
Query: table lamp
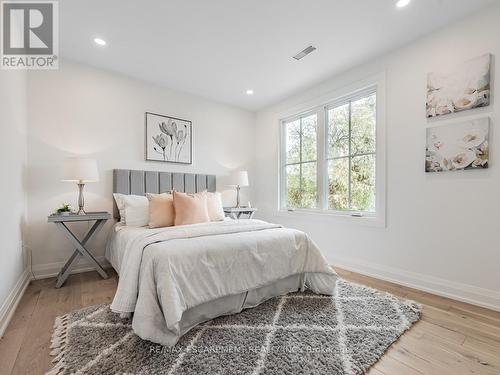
81,171
238,179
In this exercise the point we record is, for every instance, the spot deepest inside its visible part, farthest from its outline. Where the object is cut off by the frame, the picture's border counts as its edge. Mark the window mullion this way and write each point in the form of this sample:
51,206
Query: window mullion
283,186
350,156
321,173
300,164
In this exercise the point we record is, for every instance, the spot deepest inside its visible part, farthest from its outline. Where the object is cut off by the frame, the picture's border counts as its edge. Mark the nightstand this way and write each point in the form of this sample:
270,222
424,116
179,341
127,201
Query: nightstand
236,212
60,221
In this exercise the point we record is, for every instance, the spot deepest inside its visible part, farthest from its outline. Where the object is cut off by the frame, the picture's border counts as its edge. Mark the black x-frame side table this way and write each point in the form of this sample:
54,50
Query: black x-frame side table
60,221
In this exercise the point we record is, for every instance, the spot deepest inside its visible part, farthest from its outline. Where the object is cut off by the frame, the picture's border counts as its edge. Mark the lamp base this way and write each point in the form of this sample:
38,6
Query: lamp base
237,196
81,200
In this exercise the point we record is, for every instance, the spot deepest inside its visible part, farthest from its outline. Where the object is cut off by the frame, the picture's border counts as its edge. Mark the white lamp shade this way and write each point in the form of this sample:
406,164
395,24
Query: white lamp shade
80,169
238,178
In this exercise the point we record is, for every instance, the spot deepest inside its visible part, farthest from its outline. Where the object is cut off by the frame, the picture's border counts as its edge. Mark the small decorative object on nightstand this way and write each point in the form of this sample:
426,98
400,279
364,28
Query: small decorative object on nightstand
236,212
80,171
65,209
238,179
100,219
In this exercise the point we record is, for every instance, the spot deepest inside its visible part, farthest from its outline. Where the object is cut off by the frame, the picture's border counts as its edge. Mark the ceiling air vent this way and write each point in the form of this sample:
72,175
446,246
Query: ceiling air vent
306,51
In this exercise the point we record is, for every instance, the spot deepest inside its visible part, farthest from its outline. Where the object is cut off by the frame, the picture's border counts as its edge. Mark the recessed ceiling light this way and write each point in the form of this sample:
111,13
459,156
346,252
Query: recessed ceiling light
402,3
249,92
100,41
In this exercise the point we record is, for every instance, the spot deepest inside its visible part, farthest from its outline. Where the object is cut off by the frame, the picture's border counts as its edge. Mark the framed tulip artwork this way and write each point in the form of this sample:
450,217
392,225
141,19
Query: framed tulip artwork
168,139
460,146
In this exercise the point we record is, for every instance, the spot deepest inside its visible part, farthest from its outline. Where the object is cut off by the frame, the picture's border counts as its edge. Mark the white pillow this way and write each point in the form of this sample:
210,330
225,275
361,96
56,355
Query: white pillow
134,209
214,206
121,206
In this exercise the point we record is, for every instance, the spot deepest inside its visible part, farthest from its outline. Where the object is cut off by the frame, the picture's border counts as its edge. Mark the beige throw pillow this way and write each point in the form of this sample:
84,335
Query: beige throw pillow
190,208
161,210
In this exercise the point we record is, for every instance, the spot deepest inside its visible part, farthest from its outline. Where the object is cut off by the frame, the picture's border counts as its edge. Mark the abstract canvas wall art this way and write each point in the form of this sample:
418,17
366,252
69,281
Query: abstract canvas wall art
459,146
168,139
460,89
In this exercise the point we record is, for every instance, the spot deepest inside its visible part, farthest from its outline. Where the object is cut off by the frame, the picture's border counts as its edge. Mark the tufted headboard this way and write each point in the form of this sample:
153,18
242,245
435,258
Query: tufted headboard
127,181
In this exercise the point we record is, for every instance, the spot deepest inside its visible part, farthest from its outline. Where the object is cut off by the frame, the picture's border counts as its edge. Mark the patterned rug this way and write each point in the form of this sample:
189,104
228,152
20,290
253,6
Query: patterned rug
301,333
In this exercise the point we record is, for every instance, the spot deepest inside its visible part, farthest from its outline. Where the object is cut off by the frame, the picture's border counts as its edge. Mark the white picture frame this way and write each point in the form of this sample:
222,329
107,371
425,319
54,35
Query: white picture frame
168,139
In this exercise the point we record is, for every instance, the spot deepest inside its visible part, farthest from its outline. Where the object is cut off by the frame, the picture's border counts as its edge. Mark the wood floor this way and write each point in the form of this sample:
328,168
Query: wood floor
452,338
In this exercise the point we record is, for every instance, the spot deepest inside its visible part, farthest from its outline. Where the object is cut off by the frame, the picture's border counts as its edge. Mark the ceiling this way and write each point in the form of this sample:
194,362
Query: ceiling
220,48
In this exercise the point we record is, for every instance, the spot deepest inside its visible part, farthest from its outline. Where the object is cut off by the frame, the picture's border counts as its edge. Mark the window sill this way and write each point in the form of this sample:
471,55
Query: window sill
347,218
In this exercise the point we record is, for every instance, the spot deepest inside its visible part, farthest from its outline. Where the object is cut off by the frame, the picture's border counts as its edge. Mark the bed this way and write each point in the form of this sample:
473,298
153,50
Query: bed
172,279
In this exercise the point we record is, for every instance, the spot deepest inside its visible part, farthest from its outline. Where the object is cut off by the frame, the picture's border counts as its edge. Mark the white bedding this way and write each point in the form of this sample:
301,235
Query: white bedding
165,272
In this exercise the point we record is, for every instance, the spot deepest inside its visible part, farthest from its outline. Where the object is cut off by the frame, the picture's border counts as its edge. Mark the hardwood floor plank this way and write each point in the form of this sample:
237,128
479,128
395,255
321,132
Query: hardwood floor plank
476,345
11,342
34,355
451,356
9,348
437,333
25,308
374,371
463,324
390,366
478,315
429,299
95,290
410,358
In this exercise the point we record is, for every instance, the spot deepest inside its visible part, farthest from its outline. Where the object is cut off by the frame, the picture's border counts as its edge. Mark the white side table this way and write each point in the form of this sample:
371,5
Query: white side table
236,212
60,221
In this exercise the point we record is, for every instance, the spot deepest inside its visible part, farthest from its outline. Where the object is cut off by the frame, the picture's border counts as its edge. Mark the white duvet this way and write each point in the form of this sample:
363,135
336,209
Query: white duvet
166,271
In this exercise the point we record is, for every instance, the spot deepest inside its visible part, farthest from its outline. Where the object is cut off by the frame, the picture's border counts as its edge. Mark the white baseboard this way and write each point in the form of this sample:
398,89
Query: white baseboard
44,271
487,298
10,305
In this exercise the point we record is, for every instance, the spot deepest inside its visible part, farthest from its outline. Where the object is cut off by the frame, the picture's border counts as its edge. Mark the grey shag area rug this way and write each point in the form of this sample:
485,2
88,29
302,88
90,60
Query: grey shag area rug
301,333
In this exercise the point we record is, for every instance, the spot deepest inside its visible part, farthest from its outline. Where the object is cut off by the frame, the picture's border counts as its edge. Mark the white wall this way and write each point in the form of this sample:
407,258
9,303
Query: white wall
443,231
80,110
12,187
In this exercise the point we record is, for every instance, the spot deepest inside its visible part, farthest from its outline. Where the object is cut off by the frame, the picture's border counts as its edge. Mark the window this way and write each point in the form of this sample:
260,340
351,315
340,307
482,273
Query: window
301,161
330,157
351,154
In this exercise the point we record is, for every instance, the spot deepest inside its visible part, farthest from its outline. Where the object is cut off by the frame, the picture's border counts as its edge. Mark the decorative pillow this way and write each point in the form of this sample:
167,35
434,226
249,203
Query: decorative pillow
121,206
190,208
161,210
214,206
134,209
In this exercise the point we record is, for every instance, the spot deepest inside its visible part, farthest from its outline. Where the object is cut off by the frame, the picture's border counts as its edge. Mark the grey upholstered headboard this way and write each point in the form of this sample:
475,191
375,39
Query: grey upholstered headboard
127,181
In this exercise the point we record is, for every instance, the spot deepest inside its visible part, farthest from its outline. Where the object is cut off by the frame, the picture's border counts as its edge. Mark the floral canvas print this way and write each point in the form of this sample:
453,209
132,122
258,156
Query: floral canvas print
461,89
168,139
459,146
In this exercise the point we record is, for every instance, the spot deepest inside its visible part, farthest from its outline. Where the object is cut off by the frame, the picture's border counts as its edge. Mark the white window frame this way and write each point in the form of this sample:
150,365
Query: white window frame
321,106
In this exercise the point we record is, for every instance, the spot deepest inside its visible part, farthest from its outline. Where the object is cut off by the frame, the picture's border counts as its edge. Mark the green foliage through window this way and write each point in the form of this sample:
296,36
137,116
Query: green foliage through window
300,163
351,155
